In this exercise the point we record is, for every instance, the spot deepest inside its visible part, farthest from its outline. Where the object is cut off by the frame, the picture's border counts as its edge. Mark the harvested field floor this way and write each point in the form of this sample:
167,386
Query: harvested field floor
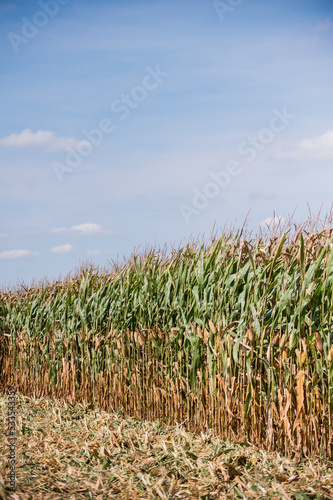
76,452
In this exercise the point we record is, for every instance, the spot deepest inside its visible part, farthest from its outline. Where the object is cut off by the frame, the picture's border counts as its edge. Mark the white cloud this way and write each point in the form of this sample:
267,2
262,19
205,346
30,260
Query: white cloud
87,229
316,149
324,26
40,138
67,248
94,253
17,254
276,221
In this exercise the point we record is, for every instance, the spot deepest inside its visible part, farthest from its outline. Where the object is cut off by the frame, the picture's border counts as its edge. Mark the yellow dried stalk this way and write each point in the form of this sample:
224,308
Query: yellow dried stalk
212,327
319,342
282,341
218,342
206,336
250,333
199,332
330,354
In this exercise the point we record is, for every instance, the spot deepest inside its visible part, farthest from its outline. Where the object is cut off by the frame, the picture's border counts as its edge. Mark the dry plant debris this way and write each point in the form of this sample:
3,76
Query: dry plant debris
77,451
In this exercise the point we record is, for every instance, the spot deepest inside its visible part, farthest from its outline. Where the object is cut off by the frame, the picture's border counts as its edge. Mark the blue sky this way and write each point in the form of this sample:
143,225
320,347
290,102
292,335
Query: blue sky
129,124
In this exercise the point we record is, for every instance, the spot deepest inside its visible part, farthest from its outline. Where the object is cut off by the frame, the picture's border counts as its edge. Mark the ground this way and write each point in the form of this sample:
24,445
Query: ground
76,452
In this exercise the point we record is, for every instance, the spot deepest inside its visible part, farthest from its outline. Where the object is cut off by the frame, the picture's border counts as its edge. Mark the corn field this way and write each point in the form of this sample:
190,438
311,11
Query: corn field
234,335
